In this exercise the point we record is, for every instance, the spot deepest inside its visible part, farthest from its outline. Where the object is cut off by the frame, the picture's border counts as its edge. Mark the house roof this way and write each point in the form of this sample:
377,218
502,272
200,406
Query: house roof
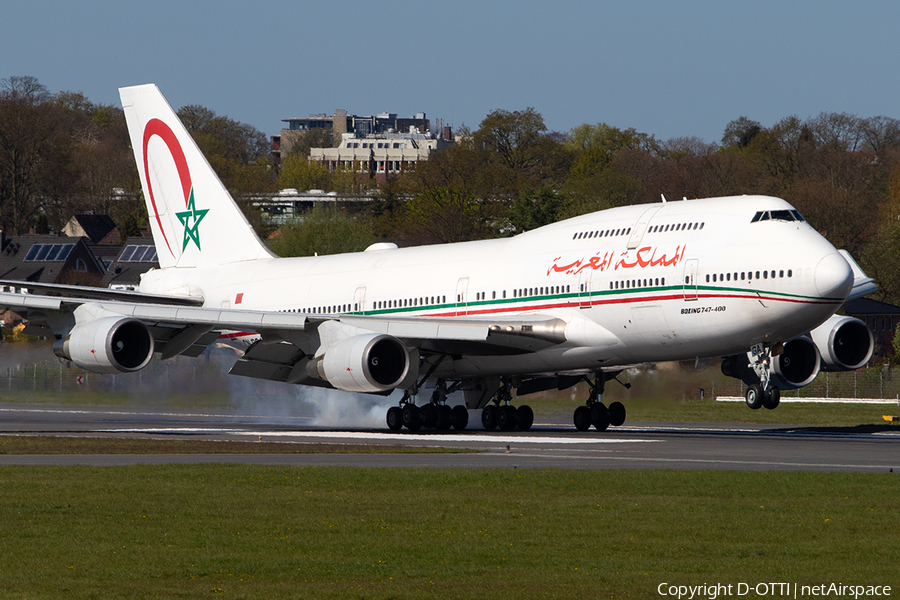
135,258
94,227
44,258
869,307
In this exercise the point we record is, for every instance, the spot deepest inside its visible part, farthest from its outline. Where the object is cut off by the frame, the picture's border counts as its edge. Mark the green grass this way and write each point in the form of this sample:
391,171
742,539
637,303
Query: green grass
296,532
35,444
709,411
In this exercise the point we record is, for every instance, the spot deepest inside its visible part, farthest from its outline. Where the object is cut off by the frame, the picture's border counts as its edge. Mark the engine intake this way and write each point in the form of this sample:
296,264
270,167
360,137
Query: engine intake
797,365
108,345
846,343
364,363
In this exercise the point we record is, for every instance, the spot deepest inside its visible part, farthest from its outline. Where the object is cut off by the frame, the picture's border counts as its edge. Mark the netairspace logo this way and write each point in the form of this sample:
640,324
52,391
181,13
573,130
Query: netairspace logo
775,590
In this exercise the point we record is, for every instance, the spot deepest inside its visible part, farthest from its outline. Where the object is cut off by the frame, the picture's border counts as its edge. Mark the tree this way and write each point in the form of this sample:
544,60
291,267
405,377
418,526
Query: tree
445,215
35,153
740,132
323,231
298,172
318,137
512,137
533,209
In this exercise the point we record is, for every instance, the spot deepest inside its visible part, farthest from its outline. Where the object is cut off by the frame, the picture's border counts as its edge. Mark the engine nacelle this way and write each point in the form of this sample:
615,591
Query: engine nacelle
114,344
373,362
795,366
845,343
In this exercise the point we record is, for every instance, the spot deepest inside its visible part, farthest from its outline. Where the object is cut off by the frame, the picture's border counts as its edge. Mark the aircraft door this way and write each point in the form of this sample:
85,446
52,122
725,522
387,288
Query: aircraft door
462,289
637,234
359,300
691,275
584,288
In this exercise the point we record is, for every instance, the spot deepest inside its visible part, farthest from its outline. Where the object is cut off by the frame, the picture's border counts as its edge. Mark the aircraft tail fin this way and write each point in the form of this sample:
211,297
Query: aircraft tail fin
194,220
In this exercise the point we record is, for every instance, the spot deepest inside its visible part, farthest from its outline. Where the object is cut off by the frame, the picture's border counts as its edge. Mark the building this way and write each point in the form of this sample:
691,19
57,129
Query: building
341,124
131,261
880,317
100,229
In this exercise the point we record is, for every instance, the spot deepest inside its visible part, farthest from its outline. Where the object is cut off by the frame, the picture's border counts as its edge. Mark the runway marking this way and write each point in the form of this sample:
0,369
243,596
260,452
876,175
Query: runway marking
374,436
135,413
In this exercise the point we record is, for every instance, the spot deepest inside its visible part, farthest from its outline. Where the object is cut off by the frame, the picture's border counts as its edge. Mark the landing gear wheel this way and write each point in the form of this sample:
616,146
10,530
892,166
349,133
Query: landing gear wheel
489,417
429,416
616,414
412,417
524,417
506,417
444,418
582,418
772,399
754,396
395,418
600,416
460,417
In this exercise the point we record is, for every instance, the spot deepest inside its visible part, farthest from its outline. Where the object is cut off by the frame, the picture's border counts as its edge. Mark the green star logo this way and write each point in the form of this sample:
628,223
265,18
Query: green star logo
191,220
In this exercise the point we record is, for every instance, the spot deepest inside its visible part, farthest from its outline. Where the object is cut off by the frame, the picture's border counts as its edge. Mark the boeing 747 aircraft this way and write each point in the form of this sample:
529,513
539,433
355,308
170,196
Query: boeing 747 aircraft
744,278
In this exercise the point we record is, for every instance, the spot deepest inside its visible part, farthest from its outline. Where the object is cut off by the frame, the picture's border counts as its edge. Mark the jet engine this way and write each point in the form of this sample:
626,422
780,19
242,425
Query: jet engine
114,344
845,343
795,366
373,362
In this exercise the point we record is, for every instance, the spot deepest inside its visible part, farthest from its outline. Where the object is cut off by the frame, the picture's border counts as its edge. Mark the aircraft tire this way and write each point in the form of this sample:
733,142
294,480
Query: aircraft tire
772,399
506,417
754,396
412,417
582,418
600,416
489,417
616,414
524,417
395,418
429,416
444,418
460,417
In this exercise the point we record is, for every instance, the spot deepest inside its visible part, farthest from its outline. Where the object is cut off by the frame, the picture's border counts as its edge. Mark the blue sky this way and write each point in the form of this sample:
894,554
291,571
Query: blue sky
666,68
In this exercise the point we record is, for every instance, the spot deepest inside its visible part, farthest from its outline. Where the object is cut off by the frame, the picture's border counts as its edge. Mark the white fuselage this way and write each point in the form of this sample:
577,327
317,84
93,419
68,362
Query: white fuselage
643,283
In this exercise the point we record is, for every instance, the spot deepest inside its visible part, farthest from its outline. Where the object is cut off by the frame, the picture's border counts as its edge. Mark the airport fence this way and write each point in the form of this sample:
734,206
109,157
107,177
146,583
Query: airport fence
208,375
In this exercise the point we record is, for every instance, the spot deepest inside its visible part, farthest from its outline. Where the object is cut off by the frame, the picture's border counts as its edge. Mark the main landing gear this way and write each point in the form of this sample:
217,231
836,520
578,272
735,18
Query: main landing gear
434,415
501,414
594,412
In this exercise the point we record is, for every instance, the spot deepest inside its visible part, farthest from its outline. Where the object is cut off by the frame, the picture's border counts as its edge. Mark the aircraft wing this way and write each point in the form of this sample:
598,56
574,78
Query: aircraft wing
99,293
285,338
862,283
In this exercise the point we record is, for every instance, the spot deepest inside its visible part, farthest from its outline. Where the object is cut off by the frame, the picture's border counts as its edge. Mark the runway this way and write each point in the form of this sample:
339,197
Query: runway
550,443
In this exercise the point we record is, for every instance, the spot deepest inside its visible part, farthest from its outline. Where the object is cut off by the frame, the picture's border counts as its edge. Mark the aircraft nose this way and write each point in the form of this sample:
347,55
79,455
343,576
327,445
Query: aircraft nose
834,277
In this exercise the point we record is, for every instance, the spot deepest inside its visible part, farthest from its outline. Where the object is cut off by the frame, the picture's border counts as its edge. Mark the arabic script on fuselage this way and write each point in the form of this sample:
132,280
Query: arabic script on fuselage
641,258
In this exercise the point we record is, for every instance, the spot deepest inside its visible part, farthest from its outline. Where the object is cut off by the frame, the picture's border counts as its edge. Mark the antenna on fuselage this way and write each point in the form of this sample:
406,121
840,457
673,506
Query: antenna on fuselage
663,196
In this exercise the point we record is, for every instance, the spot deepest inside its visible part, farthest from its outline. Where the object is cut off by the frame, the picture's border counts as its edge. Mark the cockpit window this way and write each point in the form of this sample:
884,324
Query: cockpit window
777,215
